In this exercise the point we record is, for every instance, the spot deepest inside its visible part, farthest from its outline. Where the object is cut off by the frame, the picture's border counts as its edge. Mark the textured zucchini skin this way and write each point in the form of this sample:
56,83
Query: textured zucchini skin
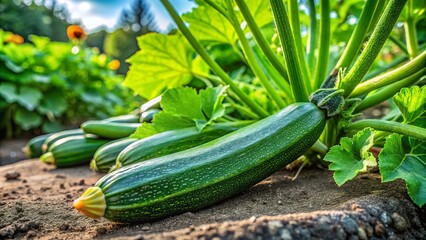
33,147
172,141
106,155
73,151
111,130
59,135
204,175
130,118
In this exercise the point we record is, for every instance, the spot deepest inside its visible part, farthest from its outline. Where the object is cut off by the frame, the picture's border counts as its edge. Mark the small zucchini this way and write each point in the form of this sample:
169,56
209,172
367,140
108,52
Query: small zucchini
151,104
148,115
59,135
201,176
33,147
130,118
72,151
173,141
111,130
106,155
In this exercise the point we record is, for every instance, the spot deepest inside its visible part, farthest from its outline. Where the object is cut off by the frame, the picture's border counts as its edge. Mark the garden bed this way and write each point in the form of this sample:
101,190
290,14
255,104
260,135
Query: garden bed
37,204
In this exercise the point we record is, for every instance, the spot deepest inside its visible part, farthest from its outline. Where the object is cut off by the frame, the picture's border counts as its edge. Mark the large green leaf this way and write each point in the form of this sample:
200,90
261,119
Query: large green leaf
53,102
9,92
27,119
183,102
29,97
412,104
164,61
352,156
395,163
208,25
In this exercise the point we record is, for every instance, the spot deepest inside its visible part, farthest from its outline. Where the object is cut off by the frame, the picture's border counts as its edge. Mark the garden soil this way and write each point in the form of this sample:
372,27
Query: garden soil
36,203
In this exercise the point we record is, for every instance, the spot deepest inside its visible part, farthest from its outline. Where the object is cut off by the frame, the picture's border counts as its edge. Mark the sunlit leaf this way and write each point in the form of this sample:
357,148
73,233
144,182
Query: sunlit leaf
412,104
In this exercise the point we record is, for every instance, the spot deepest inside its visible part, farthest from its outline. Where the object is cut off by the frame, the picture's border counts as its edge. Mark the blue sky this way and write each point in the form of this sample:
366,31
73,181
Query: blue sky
96,13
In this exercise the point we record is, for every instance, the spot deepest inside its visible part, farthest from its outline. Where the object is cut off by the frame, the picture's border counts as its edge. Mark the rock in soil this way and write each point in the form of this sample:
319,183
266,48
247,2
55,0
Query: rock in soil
312,207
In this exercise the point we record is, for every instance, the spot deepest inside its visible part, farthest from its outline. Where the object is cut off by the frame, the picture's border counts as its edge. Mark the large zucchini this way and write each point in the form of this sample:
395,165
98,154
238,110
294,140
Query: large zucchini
111,130
72,151
106,155
59,135
204,175
33,147
173,141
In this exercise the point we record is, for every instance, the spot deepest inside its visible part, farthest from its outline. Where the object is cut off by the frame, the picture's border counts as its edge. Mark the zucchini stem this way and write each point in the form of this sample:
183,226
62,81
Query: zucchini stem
324,44
389,126
212,64
312,37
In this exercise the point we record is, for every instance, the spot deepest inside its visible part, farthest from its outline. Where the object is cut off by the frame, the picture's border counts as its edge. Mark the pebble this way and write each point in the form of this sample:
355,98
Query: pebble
399,222
12,175
380,229
386,218
273,227
285,234
350,225
81,183
361,234
146,228
62,186
64,227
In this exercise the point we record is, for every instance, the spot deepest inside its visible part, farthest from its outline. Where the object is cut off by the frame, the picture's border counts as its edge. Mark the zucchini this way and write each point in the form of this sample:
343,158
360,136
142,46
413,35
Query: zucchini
173,141
148,115
111,130
130,118
199,177
33,147
72,151
106,155
59,135
151,104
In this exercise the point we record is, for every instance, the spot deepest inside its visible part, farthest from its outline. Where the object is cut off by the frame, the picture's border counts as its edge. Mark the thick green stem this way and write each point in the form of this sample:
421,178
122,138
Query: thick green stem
289,51
319,147
389,126
374,45
310,50
251,58
411,38
212,64
390,77
358,35
260,39
389,91
324,44
295,26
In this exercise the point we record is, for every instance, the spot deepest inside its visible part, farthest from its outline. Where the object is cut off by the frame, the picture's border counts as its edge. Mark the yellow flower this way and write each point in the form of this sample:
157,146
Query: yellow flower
75,32
15,38
114,64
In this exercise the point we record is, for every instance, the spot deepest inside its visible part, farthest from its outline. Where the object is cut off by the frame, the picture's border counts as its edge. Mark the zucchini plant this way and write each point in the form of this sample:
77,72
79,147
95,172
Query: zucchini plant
267,61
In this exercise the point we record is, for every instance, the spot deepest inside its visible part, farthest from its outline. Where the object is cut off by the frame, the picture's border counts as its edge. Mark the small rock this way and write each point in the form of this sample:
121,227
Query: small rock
274,226
362,234
145,228
81,183
62,186
69,195
44,189
14,192
324,220
285,234
399,222
380,229
12,175
386,218
60,176
350,225
64,227
5,194
24,181
280,202
252,219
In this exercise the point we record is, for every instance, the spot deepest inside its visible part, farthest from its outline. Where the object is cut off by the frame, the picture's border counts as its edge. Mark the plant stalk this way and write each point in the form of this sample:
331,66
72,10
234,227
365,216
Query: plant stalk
324,44
411,38
389,126
289,51
260,39
212,64
392,76
374,45
272,92
312,35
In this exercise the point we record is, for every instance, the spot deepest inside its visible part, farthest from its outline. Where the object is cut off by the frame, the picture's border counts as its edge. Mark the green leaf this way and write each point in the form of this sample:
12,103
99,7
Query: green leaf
8,92
29,97
27,119
352,156
395,163
183,102
412,104
206,24
53,102
212,99
164,61
260,11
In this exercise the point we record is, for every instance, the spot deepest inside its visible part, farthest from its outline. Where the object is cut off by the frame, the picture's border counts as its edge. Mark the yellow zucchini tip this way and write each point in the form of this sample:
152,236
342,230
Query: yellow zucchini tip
92,203
93,165
48,158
